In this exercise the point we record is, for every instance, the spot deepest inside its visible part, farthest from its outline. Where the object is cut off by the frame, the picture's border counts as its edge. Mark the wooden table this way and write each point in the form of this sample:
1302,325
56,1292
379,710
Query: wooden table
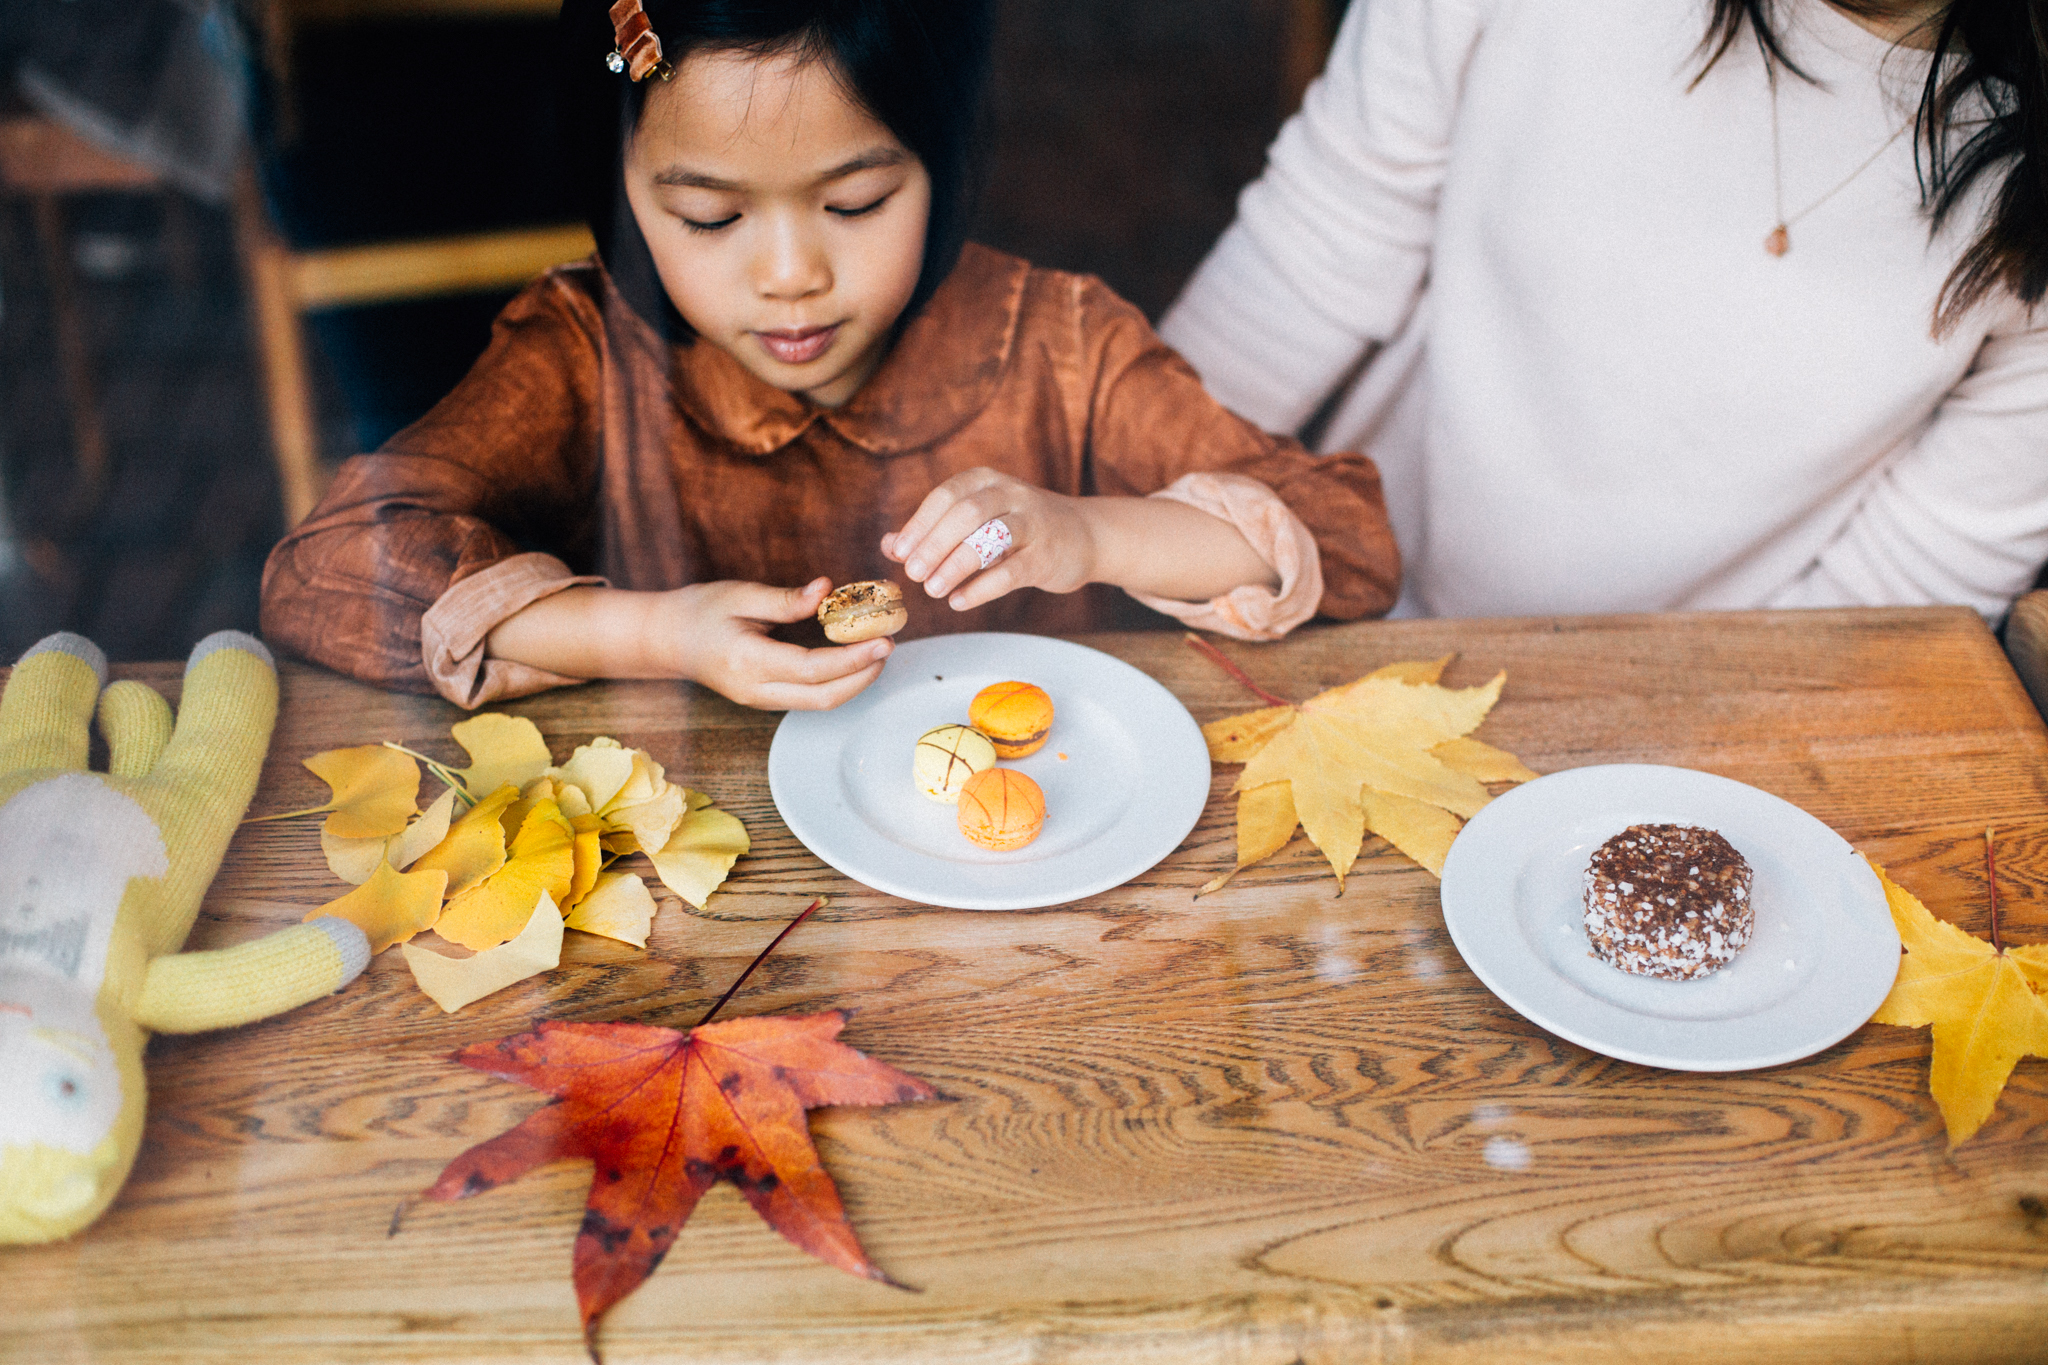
1250,1128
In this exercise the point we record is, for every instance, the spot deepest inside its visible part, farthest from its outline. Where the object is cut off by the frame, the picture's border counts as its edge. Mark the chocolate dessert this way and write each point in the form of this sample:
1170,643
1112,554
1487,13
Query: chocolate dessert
1668,901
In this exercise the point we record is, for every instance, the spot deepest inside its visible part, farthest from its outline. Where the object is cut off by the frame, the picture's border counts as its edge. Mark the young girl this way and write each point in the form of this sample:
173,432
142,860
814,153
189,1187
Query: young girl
1642,307
786,369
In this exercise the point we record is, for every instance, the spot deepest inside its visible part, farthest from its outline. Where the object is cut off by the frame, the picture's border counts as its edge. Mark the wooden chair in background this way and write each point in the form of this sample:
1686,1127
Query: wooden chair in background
2026,644
285,284
45,163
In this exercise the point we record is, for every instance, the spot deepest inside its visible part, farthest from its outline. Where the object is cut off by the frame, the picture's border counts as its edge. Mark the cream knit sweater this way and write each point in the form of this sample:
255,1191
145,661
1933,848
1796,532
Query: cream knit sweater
1588,386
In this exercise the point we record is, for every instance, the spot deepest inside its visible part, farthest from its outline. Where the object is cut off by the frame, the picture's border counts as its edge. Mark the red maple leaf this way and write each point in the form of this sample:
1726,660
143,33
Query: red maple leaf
665,1115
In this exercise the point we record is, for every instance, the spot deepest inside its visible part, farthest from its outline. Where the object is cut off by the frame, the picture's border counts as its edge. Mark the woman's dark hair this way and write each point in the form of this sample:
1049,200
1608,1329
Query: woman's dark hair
1996,50
919,66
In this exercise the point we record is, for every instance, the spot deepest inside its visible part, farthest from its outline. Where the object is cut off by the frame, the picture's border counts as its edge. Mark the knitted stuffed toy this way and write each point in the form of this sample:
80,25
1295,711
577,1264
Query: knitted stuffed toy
101,875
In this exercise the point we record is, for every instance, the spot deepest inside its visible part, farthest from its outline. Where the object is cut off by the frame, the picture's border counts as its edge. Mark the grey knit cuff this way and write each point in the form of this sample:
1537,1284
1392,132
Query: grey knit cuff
77,646
231,639
351,942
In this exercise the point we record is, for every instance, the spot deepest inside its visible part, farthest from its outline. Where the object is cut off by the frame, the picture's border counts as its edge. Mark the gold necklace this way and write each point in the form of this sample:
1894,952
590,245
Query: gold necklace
1779,240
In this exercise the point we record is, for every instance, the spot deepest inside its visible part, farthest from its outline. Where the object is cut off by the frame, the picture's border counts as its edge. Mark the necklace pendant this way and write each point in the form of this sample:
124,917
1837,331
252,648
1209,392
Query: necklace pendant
1779,242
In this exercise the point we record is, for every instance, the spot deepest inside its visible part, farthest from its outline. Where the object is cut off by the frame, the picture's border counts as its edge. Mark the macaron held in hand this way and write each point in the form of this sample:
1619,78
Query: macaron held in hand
862,611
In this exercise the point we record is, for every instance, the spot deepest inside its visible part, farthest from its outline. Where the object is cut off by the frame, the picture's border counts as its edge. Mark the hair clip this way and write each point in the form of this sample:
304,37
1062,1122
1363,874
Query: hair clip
637,48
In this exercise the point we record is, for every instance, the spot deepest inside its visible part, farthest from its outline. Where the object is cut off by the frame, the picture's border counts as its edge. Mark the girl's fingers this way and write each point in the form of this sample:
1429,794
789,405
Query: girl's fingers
779,664
759,602
909,543
988,585
818,696
953,561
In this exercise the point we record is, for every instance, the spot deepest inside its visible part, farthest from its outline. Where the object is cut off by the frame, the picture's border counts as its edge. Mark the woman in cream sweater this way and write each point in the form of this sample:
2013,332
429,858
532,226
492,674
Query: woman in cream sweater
1651,307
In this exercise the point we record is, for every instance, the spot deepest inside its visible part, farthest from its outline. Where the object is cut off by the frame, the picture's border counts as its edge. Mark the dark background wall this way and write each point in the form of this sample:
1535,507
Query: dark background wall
1123,132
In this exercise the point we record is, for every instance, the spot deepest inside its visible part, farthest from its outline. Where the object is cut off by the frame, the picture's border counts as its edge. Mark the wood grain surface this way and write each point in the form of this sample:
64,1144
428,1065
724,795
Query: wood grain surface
1271,1125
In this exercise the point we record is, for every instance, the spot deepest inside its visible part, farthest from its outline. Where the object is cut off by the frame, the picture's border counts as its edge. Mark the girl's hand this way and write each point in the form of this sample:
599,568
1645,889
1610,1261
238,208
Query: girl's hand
720,634
1052,540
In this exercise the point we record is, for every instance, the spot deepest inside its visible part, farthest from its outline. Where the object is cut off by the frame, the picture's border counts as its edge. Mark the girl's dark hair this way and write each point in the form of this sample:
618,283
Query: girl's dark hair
1998,51
919,66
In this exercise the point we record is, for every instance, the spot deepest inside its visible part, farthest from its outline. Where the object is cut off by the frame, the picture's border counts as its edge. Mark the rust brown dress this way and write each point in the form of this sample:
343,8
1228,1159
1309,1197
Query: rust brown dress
583,436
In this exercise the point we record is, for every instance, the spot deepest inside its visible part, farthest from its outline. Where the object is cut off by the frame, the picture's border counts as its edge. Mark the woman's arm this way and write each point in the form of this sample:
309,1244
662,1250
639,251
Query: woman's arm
1331,245
1962,515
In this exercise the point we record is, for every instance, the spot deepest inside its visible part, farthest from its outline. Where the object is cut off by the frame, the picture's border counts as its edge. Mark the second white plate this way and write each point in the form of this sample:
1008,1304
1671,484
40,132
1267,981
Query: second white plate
1125,775
1822,959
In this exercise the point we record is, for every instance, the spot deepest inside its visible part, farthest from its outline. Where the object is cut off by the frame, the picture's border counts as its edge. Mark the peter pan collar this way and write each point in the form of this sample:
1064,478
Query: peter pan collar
943,370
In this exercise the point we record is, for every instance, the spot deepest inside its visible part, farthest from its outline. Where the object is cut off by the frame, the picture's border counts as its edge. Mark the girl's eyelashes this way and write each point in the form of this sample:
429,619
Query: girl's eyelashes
695,226
863,210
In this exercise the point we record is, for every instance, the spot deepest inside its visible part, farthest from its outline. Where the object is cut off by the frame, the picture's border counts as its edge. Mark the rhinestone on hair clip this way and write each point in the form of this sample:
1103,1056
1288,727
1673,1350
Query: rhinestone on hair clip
637,48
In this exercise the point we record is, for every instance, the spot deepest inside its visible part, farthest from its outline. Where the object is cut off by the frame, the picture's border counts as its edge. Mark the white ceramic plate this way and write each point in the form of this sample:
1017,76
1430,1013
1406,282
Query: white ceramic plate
1822,959
1131,785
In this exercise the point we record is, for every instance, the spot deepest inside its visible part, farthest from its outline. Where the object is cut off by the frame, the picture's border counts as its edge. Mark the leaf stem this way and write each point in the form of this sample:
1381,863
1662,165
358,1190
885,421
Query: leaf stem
1991,877
289,814
439,769
712,1013
1201,646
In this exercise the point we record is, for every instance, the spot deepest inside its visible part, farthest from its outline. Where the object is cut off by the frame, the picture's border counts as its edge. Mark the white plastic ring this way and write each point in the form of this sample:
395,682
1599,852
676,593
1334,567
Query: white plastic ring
990,541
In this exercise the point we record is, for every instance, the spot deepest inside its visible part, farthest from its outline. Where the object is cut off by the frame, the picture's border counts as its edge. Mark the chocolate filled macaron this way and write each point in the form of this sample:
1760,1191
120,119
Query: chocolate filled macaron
1001,808
862,611
947,755
1016,716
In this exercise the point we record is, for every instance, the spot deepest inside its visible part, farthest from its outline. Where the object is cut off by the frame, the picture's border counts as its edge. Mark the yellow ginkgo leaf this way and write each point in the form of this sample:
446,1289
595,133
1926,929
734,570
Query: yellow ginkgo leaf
542,788
589,855
706,843
425,833
600,768
353,860
391,906
501,749
1985,1015
452,982
475,846
374,791
647,781
648,824
541,857
620,906
571,799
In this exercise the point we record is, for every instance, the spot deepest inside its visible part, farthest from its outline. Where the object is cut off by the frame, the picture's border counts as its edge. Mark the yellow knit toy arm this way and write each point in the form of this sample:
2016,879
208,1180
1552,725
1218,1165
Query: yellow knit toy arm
193,992
46,712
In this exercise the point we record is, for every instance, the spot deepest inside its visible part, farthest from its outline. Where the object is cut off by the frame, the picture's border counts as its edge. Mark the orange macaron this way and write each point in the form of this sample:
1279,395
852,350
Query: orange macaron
1016,717
1001,808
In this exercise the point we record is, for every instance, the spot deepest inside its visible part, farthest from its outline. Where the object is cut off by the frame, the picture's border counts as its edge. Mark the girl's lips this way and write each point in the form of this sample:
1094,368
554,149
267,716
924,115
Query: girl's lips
799,347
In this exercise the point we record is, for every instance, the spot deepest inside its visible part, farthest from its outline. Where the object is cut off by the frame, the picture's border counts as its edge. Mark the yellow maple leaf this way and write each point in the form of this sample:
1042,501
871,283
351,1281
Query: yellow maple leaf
541,857
1389,752
373,791
390,906
1984,1013
706,843
475,846
501,749
619,906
